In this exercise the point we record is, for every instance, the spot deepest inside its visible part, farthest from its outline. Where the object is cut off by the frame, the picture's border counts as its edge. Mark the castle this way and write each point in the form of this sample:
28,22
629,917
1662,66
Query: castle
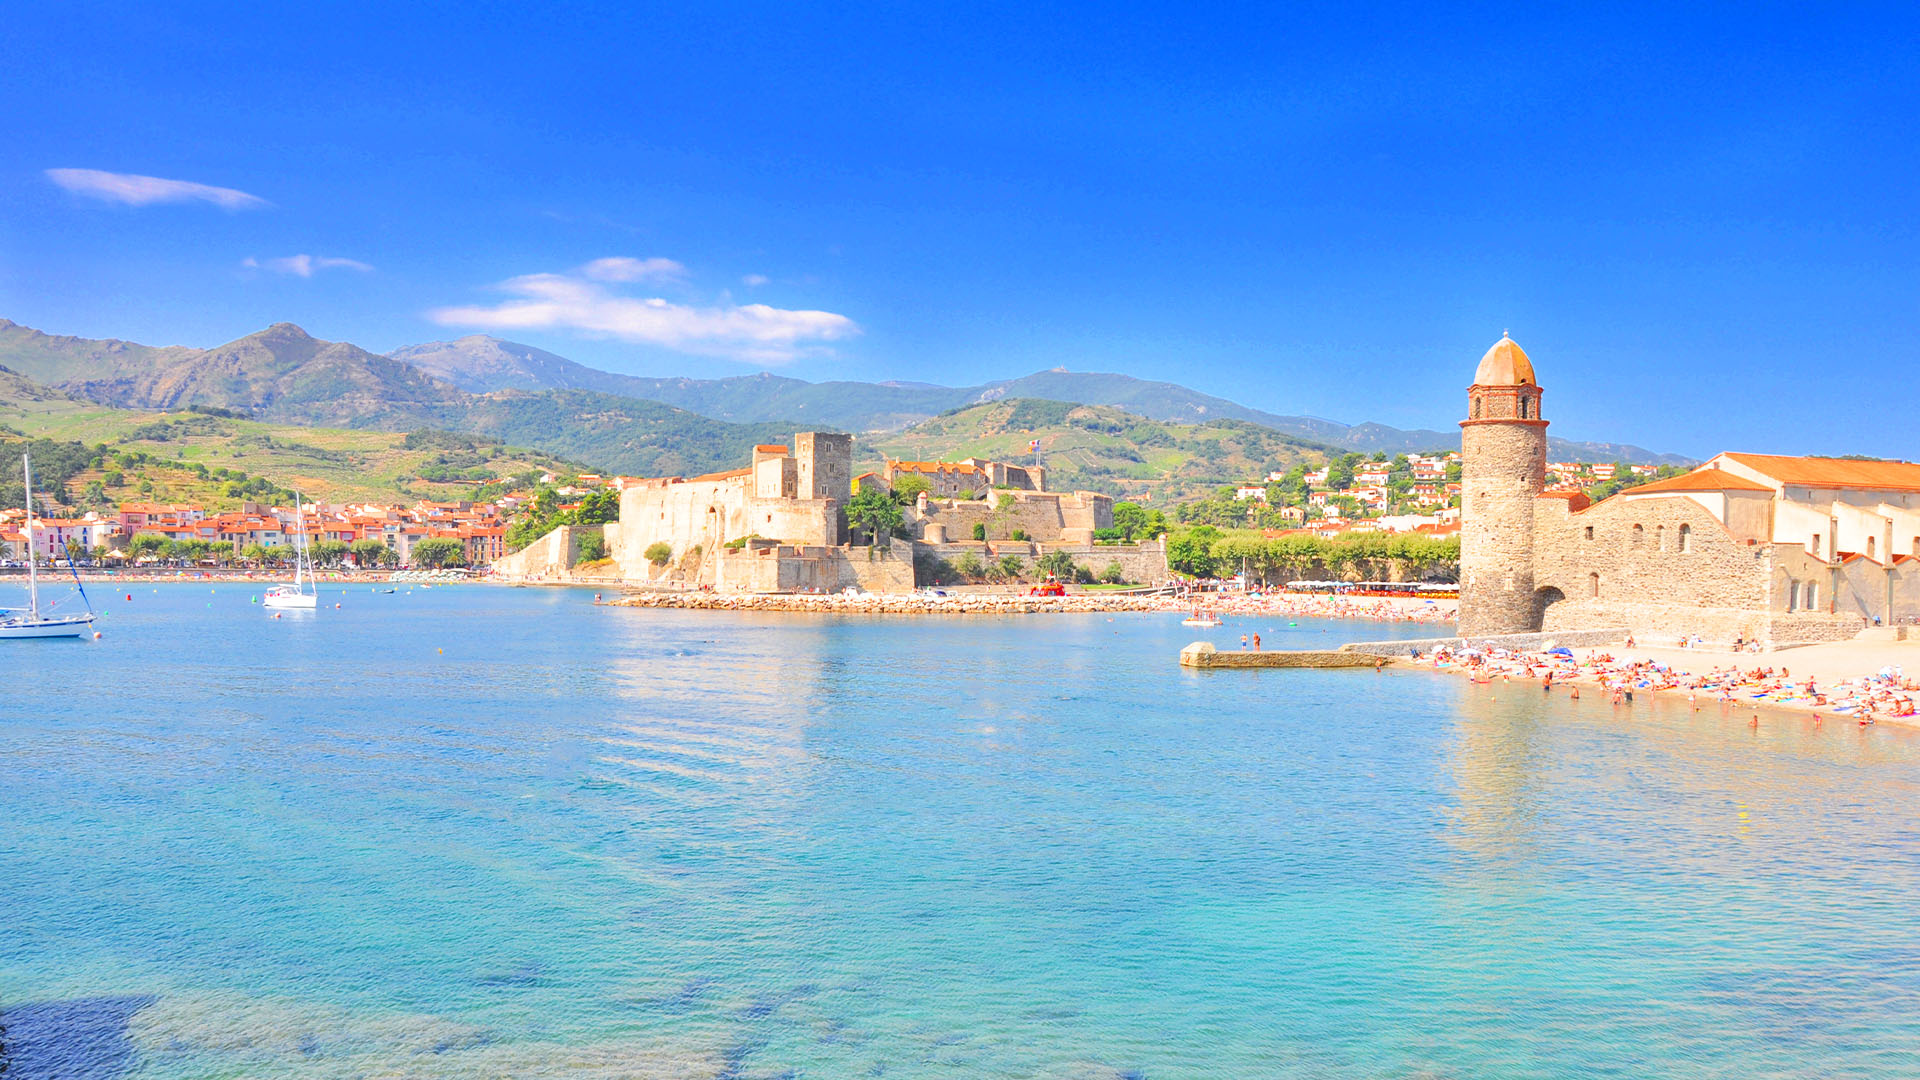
1748,547
780,525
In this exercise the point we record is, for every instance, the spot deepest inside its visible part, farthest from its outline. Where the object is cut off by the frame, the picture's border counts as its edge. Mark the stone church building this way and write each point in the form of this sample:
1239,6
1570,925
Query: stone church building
1750,547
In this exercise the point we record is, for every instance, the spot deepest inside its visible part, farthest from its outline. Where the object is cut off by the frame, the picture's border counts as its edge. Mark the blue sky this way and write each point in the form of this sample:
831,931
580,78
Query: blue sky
1700,225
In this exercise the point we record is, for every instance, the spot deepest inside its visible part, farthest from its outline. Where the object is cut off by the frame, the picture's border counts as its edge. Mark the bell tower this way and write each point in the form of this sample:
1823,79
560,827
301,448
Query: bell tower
1503,469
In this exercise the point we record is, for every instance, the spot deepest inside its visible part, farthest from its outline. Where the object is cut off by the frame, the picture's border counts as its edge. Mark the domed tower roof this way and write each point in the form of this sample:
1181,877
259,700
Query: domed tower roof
1505,364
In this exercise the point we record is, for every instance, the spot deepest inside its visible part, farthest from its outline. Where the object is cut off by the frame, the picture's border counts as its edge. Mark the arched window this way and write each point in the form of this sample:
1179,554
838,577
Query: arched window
1686,538
1523,408
1659,538
1793,594
1639,535
1813,595
1593,585
1870,547
1474,413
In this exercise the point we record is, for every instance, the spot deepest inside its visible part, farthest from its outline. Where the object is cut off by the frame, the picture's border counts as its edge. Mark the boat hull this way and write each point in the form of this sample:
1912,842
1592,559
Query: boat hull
291,600
46,628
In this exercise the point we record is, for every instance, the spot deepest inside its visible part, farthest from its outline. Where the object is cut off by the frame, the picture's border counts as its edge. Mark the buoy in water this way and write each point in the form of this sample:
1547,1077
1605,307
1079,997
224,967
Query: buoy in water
96,635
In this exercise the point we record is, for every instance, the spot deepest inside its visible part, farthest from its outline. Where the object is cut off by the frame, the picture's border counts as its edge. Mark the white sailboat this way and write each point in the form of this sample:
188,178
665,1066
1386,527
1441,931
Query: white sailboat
296,595
28,622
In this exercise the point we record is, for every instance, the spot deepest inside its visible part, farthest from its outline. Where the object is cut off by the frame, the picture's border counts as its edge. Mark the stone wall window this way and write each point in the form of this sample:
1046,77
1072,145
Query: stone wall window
1659,538
1793,594
1686,538
1523,408
1813,595
1593,585
1639,535
1816,545
1870,552
1916,540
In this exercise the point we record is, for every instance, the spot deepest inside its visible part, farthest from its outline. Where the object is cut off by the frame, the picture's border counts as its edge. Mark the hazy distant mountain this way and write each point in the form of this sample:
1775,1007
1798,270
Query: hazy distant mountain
1101,448
481,363
58,360
535,398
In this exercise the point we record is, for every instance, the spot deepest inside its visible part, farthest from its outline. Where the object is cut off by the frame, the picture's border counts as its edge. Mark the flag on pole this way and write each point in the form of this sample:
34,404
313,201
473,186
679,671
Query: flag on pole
1034,446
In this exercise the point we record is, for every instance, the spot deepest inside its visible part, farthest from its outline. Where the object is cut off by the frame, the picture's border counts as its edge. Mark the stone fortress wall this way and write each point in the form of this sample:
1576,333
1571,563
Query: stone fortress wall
1046,516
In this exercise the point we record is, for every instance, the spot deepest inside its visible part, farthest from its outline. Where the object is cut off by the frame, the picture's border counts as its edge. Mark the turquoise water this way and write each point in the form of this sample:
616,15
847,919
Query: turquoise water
469,831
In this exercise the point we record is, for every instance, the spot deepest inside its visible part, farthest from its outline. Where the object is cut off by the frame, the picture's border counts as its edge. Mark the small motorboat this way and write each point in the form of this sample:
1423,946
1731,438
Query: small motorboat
1202,618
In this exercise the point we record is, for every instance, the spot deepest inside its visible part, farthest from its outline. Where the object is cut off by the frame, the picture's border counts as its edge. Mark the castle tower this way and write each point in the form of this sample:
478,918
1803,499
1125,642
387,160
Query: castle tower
1503,469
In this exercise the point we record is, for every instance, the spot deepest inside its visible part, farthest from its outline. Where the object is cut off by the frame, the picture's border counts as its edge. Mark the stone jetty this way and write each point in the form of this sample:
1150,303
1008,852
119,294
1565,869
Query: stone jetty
1202,654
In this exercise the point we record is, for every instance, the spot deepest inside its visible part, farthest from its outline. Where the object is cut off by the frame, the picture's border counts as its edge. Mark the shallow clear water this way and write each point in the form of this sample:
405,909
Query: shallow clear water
469,831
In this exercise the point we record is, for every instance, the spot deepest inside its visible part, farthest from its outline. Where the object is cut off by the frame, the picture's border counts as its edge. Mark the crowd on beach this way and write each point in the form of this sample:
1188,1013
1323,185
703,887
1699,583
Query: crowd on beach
1886,693
1303,605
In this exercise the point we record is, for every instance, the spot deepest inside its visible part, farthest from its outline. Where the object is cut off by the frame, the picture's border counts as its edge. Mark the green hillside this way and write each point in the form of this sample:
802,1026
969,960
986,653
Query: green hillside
284,375
90,456
1098,448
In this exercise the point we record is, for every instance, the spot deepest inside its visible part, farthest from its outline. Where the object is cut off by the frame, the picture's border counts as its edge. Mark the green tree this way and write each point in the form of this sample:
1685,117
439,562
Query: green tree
1013,566
256,554
1112,574
875,513
598,508
979,530
659,553
328,552
1136,522
1057,564
370,552
146,545
908,488
1191,552
593,547
969,566
437,551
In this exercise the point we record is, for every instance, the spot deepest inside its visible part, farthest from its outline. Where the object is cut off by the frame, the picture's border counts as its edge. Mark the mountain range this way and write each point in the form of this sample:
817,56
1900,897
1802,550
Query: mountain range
529,397
480,363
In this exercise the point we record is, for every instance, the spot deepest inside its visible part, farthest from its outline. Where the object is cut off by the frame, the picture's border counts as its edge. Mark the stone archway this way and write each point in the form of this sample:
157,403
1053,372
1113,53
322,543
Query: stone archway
1544,598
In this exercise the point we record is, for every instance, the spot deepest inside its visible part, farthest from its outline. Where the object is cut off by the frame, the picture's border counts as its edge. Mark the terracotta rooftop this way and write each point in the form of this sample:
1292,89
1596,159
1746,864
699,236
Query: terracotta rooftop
769,449
1833,472
1697,480
1505,364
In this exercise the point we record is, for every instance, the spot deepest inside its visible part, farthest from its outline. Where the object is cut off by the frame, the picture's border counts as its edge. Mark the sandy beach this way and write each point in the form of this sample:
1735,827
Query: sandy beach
1854,682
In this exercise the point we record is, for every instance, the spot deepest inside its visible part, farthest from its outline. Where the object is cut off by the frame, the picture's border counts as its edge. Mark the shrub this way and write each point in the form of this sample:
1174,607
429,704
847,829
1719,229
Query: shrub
593,547
979,530
1013,566
1019,534
1112,574
659,553
969,566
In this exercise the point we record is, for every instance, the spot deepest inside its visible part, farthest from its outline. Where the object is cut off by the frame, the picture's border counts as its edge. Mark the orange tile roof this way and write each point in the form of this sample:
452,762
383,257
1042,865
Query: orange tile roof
1833,472
769,449
729,475
935,467
1697,480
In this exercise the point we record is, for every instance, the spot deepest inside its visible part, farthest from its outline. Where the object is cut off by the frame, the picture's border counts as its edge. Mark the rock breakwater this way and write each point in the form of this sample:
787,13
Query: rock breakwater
984,604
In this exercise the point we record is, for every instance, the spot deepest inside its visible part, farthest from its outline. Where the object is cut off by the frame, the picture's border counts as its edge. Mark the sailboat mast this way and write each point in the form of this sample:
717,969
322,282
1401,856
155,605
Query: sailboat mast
33,578
299,543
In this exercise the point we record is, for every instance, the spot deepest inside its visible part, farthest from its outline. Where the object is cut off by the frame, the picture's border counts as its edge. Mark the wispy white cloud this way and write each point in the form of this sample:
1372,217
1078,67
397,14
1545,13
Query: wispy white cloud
304,265
754,281
753,333
622,268
133,190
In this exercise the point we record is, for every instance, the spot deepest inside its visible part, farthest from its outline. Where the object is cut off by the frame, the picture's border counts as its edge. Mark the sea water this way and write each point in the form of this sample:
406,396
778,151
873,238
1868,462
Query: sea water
488,832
